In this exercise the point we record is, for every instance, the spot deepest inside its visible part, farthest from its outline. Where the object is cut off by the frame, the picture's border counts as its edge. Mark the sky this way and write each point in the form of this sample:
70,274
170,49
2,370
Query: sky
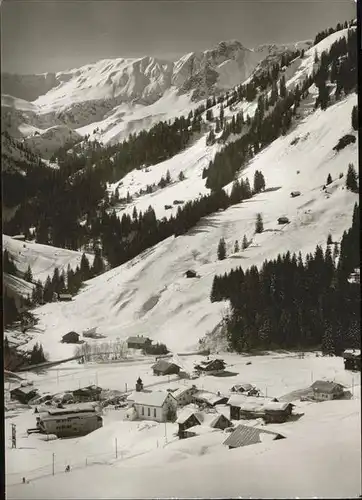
54,35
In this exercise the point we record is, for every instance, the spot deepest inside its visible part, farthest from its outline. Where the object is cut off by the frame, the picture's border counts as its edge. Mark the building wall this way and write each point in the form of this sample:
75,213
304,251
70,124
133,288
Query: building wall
149,412
76,425
185,398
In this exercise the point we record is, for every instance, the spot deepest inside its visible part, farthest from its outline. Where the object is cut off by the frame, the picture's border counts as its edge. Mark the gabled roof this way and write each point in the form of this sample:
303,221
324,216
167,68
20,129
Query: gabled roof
241,400
325,386
71,333
28,389
244,387
163,365
155,398
209,397
217,417
186,413
138,340
182,390
244,435
274,406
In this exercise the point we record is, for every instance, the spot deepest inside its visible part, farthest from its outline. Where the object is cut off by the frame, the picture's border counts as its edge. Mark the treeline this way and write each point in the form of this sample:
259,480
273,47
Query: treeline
125,238
323,34
294,303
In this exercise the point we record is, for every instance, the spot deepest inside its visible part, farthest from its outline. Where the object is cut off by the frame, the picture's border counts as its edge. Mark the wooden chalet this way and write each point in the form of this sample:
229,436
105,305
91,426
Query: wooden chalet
211,367
209,399
324,390
277,413
188,418
139,342
71,338
352,359
89,393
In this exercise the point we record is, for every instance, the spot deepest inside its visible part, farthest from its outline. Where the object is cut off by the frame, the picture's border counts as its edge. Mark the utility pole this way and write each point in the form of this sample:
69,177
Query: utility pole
53,463
57,377
116,448
126,386
13,435
166,432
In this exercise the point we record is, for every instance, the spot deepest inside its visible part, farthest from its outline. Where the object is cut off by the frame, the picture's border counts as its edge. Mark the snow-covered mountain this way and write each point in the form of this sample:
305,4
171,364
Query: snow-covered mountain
124,95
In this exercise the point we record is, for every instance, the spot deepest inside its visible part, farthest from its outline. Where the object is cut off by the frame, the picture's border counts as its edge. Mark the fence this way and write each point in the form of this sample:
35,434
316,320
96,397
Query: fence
58,464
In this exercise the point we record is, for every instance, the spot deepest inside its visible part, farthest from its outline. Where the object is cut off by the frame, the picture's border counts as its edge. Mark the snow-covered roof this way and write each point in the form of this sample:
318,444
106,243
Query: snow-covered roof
138,340
182,390
155,398
277,406
352,352
209,397
240,400
186,413
244,387
325,386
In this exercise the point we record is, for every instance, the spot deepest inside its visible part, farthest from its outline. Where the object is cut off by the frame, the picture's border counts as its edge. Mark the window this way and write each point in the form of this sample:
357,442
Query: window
154,412
149,412
143,410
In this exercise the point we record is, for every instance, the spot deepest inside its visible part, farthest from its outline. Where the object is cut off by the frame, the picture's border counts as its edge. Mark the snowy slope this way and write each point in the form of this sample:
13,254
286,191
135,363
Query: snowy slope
43,259
150,294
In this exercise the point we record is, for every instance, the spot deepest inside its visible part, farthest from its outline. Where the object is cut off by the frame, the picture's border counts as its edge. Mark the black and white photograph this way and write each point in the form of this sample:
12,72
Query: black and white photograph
181,249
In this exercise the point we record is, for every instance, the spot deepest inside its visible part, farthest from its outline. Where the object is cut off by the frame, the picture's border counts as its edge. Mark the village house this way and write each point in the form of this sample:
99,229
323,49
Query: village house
159,406
352,359
183,395
163,367
188,418
211,367
73,420
244,435
139,342
89,393
191,274
24,394
210,399
64,297
276,412
243,388
325,391
71,338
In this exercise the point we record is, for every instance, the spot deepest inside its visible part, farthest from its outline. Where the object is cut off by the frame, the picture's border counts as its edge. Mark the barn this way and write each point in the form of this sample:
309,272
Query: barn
71,338
163,367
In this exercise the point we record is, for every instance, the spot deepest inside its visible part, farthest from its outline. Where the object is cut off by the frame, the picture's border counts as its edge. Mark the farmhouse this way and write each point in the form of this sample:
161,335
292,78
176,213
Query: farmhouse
71,338
283,220
211,367
188,418
159,406
183,395
277,413
352,359
209,398
89,393
324,390
163,367
244,435
24,394
242,388
139,342
64,297
74,420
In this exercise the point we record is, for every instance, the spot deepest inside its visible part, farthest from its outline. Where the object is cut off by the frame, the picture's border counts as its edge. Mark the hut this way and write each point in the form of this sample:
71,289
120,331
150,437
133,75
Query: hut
220,421
71,338
191,274
244,435
293,194
188,418
211,367
64,297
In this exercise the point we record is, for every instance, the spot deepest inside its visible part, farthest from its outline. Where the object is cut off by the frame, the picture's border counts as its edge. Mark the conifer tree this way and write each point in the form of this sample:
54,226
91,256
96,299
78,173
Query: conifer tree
98,264
236,247
329,239
354,118
244,245
351,179
28,276
221,249
181,176
259,226
84,268
168,177
329,179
